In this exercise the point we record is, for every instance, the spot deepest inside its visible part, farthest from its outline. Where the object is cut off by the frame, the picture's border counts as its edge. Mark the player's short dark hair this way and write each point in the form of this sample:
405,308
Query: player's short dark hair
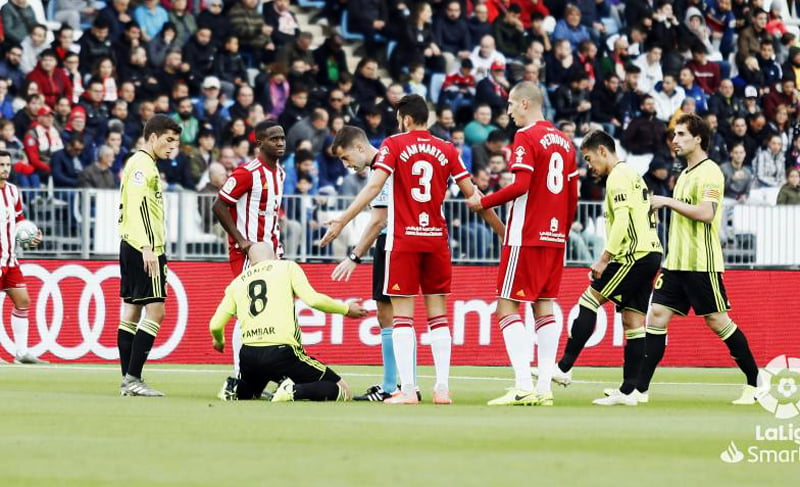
594,139
5,153
264,125
415,107
697,127
159,125
346,137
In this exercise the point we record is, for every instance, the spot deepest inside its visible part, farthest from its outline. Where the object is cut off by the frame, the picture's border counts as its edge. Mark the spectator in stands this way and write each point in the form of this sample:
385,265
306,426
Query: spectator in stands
458,139
493,89
651,74
770,70
63,42
24,173
175,172
570,27
725,105
25,116
151,17
369,18
255,36
214,18
32,46
354,182
285,28
787,96
367,87
10,69
201,157
749,41
739,134
717,150
137,71
296,109
74,12
172,73
187,121
558,64
199,53
229,66
531,72
706,73
572,101
105,71
99,175
509,33
479,24
458,89
495,144
657,177
66,164
96,112
452,34
645,134
117,13
76,124
299,50
183,20
95,44
114,140
793,154
770,164
473,234
6,101
689,105
313,128
388,108
18,20
780,125
687,81
618,60
42,140
478,130
722,22
416,81
244,100
484,56
416,44
738,177
373,125
605,99
669,98
330,60
52,81
790,192
444,124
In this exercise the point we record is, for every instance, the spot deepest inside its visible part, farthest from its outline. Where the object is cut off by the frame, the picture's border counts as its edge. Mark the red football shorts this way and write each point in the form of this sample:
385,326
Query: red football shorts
407,272
530,273
11,278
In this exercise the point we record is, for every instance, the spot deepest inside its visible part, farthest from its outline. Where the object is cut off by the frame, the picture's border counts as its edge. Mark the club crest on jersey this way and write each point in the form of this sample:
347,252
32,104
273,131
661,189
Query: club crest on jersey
424,219
520,153
554,224
229,185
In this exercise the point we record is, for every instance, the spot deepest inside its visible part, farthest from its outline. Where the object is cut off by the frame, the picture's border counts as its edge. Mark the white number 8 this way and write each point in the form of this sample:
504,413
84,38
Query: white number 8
424,170
555,173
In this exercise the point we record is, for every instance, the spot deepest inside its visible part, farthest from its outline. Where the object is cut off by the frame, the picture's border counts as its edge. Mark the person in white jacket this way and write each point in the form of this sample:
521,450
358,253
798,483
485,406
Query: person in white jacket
668,98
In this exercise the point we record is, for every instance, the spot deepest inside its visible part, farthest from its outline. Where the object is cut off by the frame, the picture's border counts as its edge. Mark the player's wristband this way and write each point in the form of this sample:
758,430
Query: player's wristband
352,256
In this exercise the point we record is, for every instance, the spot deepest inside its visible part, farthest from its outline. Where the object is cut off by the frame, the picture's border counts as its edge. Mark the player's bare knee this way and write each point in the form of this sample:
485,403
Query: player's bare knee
658,318
717,321
155,312
20,300
632,320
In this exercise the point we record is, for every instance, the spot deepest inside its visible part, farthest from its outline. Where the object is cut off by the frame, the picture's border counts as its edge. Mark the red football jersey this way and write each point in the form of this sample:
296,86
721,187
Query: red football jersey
540,217
10,215
255,192
419,165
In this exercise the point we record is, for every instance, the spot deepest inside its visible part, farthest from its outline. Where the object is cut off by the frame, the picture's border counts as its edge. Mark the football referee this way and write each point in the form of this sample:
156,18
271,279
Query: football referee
142,261
262,298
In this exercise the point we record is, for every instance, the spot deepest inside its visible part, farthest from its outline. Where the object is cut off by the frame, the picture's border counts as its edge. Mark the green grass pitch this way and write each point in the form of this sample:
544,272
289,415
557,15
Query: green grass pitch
65,425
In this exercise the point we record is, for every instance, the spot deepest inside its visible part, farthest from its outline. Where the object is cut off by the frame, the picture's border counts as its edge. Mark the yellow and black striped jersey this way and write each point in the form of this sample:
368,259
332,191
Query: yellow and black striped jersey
630,227
262,298
695,245
141,209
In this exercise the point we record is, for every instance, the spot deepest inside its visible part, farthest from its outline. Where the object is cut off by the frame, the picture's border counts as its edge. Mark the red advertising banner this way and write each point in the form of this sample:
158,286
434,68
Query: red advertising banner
75,311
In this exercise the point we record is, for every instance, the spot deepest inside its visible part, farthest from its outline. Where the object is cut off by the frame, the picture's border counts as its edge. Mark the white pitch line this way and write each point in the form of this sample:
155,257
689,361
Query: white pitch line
109,368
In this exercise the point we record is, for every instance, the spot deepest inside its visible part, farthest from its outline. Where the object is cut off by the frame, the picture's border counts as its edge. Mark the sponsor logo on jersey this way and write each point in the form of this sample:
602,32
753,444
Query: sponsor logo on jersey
424,219
554,224
396,287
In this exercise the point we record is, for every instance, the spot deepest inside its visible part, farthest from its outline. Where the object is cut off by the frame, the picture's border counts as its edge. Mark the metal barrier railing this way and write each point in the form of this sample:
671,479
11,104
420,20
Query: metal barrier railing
82,223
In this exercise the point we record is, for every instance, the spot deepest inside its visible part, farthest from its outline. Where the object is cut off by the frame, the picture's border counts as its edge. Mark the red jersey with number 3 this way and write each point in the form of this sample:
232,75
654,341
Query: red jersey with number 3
539,217
420,166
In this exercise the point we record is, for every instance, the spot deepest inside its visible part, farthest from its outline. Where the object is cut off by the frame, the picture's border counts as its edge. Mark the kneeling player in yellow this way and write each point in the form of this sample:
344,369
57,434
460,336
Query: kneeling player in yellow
262,298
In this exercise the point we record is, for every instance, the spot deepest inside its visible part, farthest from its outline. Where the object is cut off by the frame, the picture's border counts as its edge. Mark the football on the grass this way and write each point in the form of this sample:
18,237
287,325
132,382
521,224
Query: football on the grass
26,232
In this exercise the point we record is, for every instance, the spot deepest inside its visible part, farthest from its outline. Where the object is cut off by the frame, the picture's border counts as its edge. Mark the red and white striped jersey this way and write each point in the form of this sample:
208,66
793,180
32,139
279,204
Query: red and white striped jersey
255,192
419,165
10,214
541,216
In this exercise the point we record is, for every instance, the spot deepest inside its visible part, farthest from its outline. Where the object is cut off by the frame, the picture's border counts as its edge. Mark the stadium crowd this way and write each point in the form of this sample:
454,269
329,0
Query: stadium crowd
78,79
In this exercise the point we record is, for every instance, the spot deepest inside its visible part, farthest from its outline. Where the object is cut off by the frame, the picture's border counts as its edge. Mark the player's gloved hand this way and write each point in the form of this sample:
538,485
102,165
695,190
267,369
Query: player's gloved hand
344,270
219,346
334,229
355,310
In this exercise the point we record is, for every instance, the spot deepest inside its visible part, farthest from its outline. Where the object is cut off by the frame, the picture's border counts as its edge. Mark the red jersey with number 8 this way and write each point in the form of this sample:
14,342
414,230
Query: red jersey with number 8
419,165
539,217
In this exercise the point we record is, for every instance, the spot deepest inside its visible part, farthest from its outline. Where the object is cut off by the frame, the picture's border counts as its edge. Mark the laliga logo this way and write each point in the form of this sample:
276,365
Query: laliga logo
784,373
90,333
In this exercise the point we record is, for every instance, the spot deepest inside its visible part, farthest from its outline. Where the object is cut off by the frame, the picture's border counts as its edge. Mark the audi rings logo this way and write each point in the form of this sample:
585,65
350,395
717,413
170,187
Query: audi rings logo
90,330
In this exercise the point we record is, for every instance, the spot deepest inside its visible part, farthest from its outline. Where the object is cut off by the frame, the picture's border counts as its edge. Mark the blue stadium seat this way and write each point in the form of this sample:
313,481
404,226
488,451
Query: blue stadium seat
346,33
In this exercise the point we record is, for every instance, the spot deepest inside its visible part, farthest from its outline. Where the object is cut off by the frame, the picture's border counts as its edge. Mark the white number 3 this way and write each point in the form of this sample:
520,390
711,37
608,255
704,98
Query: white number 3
424,170
555,173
